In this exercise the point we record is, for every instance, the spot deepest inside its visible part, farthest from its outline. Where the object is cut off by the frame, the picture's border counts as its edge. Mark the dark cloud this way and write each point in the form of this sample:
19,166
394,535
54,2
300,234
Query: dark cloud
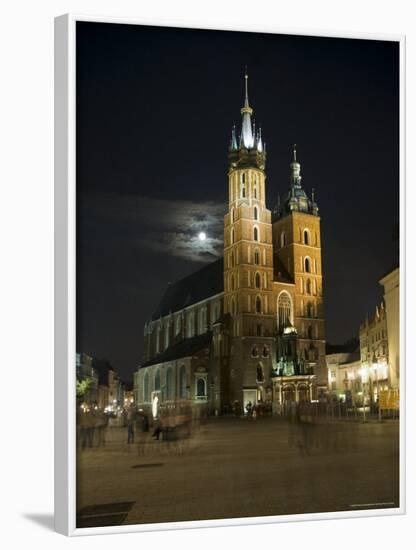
165,226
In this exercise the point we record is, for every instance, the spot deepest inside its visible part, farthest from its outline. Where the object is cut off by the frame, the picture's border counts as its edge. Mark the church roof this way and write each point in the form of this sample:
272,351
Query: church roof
200,285
183,348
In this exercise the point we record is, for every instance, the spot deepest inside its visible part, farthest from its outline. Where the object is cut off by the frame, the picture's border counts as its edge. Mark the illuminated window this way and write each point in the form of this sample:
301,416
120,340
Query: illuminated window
284,311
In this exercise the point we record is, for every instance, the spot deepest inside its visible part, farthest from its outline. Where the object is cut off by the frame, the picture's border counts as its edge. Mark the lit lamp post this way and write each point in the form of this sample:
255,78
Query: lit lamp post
375,367
364,380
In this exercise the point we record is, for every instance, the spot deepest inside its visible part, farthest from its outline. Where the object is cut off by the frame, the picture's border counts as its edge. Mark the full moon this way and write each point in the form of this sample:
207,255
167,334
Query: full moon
202,236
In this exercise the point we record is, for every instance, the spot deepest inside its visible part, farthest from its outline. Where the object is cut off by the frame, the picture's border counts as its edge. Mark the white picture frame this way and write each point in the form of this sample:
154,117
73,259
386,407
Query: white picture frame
65,287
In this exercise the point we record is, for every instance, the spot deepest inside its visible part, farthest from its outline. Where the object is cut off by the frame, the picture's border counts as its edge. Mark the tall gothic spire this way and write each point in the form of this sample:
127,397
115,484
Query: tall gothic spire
246,127
247,147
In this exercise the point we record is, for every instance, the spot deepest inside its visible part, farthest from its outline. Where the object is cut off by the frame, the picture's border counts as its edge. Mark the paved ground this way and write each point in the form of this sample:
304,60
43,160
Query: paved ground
238,468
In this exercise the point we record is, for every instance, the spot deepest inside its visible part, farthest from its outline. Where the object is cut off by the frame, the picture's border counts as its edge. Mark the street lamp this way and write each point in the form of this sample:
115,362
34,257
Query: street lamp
376,369
364,380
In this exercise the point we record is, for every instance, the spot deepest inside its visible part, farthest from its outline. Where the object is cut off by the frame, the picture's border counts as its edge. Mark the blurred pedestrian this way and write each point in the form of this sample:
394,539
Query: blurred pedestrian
130,417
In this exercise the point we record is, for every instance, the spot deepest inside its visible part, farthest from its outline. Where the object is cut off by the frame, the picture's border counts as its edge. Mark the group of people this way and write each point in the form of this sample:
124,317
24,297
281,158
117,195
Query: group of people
91,428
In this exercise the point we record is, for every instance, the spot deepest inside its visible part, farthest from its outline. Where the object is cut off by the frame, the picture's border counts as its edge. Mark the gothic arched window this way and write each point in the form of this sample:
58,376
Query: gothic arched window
256,213
258,280
190,324
157,380
178,323
307,265
202,320
182,382
256,233
308,287
169,384
258,304
284,311
306,237
243,186
146,396
257,256
232,235
309,309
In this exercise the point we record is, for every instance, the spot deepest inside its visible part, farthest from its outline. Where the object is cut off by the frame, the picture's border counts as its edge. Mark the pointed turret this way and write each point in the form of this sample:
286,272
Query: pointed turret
233,143
250,150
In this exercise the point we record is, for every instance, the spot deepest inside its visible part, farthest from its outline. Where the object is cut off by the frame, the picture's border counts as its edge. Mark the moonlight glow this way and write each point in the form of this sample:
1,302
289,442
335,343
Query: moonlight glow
202,236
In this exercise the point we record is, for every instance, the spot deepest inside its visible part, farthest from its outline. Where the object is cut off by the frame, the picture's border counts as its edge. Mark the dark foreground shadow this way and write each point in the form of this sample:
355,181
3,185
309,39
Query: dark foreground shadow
44,520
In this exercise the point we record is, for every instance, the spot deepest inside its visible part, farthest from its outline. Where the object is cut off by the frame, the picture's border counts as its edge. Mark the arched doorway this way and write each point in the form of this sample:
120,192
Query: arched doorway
288,393
303,393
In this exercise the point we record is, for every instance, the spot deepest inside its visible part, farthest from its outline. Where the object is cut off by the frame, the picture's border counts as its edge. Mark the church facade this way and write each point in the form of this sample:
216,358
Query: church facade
250,327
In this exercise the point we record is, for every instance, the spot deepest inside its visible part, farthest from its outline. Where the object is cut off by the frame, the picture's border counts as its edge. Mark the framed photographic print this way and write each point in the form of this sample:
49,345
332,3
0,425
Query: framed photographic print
229,276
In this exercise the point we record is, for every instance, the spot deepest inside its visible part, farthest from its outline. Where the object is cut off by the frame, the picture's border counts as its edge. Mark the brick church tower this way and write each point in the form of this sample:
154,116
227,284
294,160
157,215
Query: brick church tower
248,261
272,279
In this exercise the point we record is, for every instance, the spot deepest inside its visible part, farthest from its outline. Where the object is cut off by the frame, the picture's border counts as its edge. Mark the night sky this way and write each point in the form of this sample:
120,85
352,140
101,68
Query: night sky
155,108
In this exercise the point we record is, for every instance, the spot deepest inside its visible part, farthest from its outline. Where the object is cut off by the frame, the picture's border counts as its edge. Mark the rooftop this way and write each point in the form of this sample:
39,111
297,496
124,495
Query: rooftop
183,348
200,285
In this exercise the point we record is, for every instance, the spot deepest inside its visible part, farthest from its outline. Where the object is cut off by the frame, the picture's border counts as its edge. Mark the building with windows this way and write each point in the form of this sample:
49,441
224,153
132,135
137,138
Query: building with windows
250,326
375,352
345,381
391,285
